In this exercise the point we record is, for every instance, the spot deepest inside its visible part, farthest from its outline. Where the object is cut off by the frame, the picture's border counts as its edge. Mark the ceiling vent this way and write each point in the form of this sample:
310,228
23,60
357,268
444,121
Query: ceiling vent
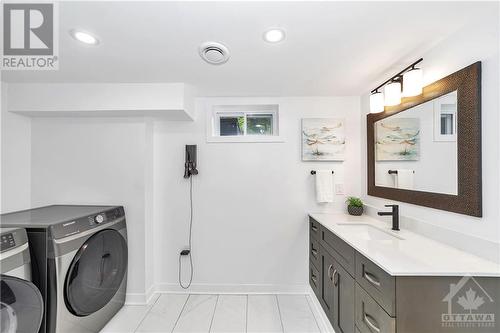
214,53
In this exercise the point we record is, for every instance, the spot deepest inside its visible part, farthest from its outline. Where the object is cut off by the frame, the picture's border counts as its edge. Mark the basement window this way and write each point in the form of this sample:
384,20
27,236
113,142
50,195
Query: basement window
244,123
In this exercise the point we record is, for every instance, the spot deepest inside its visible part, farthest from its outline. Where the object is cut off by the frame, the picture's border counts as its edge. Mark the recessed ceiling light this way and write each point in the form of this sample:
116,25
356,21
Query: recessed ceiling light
84,37
274,35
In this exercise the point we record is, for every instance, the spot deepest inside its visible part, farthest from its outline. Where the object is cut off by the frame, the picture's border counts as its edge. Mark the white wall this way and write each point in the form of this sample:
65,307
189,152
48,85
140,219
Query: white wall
171,100
16,158
99,161
250,199
477,41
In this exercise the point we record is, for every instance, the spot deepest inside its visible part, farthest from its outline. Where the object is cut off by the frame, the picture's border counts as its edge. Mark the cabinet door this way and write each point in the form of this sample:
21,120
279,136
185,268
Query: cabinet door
343,305
327,288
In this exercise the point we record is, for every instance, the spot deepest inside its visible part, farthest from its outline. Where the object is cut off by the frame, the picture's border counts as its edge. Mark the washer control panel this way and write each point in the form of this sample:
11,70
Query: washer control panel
7,242
88,222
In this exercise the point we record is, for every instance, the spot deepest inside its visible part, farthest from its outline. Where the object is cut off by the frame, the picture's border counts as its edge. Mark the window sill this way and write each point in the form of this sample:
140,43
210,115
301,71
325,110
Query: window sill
246,139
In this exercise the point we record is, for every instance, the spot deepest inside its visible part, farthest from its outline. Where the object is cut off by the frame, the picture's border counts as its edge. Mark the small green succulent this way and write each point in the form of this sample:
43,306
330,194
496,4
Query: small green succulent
354,201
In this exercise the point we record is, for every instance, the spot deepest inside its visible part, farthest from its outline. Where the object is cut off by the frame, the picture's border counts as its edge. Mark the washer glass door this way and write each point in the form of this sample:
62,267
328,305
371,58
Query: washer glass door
21,306
96,272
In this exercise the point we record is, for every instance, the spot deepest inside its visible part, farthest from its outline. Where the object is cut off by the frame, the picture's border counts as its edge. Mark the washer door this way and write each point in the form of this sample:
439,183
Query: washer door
21,306
96,272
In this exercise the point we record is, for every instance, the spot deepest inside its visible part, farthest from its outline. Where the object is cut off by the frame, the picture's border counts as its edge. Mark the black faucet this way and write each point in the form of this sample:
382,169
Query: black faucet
395,216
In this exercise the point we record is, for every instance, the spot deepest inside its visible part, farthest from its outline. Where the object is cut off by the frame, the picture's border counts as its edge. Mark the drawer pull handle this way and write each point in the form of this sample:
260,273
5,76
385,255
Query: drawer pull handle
372,279
314,279
314,228
314,252
335,278
330,276
371,323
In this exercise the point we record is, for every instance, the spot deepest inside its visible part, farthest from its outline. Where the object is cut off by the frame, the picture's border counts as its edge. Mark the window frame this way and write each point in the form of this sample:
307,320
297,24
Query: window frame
449,100
215,112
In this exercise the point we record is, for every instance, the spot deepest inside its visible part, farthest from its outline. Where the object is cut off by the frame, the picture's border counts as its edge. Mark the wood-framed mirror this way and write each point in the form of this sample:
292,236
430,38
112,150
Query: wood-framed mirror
427,150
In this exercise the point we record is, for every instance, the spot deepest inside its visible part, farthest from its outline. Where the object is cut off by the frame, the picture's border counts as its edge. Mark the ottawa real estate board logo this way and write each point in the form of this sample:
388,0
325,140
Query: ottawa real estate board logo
30,36
469,306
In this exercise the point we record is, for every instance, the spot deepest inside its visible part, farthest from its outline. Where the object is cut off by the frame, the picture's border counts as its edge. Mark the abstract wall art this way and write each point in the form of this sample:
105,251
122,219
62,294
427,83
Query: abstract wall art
323,139
397,139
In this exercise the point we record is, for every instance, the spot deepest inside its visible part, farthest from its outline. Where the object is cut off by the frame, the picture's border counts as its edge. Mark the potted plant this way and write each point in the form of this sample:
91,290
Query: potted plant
354,206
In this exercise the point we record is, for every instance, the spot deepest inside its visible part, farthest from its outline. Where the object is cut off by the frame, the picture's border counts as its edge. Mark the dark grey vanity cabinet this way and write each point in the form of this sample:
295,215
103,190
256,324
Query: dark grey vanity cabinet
360,297
344,288
336,291
380,285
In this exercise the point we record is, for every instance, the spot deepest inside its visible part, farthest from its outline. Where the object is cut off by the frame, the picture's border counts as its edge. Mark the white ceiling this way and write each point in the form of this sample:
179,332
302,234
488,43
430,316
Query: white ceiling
332,48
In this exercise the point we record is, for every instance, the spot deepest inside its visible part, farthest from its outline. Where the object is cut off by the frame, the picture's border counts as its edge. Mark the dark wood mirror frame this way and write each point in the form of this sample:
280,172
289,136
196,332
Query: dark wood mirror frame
467,82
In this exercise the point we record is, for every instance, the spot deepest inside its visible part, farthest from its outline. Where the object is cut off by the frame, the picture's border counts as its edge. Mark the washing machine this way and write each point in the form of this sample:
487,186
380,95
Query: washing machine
80,259
21,304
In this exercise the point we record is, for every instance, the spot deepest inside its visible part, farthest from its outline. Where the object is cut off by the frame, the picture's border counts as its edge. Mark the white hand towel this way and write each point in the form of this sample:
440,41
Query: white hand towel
324,186
404,179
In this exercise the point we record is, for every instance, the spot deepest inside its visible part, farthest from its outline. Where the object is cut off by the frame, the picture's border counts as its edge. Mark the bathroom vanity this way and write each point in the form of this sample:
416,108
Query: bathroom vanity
370,279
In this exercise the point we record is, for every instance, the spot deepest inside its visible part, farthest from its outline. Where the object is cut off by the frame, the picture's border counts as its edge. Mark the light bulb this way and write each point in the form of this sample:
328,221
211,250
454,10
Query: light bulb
84,37
392,93
376,102
274,35
412,82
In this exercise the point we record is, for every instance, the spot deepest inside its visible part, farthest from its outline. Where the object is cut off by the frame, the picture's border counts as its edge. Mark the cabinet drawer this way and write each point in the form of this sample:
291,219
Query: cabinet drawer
340,250
315,280
370,317
314,228
314,255
380,285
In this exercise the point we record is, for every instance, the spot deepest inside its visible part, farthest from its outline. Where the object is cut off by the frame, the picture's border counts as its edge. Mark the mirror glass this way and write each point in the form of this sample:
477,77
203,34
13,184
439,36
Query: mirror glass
416,149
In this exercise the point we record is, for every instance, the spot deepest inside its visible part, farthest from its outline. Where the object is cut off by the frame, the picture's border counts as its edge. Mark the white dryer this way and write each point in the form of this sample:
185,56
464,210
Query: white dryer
21,304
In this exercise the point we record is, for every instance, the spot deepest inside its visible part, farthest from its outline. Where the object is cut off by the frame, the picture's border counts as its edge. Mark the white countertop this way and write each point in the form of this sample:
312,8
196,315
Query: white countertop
413,255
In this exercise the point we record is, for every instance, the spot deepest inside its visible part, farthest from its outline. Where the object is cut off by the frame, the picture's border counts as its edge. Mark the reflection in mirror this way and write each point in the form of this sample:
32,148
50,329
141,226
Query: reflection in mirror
416,149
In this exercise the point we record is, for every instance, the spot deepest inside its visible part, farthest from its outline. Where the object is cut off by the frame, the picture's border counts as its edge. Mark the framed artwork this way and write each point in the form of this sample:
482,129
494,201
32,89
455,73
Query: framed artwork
323,139
397,139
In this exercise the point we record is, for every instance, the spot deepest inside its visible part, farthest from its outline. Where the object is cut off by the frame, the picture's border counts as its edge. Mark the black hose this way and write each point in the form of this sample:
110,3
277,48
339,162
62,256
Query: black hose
190,236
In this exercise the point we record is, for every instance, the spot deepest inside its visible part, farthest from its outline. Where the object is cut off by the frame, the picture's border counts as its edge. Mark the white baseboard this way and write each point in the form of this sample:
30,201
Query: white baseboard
233,289
141,298
170,288
135,299
319,314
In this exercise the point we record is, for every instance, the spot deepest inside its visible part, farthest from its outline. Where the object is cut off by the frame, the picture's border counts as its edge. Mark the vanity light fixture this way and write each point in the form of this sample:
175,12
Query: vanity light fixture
274,35
84,37
406,83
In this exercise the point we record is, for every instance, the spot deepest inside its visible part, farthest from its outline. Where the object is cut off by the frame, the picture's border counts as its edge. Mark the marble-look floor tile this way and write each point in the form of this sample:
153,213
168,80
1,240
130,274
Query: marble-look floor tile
197,314
296,314
263,314
163,314
230,314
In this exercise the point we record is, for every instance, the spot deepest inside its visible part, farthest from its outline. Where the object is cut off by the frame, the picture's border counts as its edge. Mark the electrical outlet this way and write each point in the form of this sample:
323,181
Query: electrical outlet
339,189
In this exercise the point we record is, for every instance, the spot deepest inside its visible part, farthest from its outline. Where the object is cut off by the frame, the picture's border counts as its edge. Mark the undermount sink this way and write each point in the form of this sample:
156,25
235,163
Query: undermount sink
369,232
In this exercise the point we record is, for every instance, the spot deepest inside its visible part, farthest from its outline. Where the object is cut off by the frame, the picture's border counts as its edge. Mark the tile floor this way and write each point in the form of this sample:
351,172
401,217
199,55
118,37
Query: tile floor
218,313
